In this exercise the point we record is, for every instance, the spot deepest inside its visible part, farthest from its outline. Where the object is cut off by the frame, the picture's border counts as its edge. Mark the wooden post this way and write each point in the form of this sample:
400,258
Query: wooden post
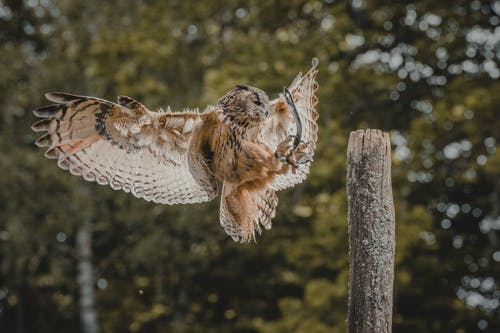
371,232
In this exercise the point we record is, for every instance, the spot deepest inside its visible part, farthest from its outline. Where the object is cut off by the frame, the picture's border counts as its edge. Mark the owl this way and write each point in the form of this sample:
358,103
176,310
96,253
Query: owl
245,141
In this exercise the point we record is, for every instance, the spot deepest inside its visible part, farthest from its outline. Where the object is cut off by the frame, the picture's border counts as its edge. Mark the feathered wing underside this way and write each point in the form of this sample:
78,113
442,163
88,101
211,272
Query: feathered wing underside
281,124
127,147
242,212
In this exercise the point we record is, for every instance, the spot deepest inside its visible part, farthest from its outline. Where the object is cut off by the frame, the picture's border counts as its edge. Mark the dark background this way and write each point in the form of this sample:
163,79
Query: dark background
427,71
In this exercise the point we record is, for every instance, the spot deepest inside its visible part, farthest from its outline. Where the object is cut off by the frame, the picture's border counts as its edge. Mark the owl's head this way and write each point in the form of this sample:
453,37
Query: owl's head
245,105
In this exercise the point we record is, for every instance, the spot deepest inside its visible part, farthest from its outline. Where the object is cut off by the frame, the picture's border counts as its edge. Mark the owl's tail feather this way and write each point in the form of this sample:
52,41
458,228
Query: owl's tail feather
243,211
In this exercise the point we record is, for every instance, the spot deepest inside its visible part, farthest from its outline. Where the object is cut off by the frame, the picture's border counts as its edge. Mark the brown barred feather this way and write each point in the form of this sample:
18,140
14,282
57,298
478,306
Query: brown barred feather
134,150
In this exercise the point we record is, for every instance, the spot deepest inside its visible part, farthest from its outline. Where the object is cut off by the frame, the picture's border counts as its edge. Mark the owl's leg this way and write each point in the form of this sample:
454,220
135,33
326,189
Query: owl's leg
242,208
285,148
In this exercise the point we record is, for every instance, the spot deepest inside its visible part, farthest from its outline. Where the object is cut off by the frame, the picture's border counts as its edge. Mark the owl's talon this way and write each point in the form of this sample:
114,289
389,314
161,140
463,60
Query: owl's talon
304,159
290,162
285,149
298,155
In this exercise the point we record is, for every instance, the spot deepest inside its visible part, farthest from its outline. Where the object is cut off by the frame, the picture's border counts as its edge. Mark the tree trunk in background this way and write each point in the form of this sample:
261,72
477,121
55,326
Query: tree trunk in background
371,232
86,279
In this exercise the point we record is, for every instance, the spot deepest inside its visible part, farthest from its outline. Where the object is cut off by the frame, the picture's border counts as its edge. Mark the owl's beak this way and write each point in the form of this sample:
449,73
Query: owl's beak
265,111
262,112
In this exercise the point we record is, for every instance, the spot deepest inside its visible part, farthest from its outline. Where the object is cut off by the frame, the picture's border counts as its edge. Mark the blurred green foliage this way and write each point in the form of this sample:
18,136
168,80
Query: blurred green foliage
425,70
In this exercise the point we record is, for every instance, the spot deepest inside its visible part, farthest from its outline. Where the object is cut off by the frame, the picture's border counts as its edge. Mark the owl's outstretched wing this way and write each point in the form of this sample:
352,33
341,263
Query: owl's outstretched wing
281,124
127,147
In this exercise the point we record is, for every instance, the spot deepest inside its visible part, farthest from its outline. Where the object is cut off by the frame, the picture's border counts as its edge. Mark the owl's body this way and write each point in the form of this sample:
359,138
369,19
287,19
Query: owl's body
176,157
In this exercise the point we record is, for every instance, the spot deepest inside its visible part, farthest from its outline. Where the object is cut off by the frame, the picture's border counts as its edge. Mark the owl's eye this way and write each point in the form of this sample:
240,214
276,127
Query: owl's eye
257,101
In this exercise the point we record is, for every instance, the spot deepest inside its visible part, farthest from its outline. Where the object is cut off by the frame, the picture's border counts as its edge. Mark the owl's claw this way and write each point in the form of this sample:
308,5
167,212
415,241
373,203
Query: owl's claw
285,149
306,158
294,154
